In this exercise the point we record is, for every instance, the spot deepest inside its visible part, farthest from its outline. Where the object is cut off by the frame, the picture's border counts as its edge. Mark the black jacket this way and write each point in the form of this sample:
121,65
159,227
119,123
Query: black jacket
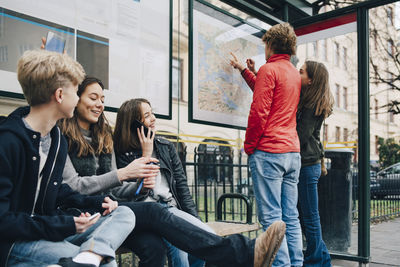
308,130
20,219
171,167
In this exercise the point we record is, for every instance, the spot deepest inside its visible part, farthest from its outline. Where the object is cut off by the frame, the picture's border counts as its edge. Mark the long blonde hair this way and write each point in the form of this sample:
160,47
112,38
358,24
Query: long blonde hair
317,95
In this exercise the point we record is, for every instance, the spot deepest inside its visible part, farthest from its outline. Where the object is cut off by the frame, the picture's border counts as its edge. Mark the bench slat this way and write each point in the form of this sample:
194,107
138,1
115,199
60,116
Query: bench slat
230,228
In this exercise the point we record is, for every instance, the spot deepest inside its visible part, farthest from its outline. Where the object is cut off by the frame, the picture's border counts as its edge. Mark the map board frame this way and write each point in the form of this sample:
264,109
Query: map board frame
147,62
214,118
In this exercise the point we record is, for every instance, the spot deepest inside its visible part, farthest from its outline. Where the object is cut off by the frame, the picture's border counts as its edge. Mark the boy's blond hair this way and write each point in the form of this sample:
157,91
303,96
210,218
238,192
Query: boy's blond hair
281,38
42,72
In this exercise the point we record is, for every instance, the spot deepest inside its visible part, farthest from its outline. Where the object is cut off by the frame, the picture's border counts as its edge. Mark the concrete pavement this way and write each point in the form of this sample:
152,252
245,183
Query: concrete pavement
385,245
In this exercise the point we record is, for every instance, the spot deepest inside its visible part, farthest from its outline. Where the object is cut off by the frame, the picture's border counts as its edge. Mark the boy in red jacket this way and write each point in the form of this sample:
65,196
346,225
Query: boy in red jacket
271,138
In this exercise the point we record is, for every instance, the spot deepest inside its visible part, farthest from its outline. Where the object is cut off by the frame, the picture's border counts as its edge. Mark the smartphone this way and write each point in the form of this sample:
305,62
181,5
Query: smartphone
137,124
54,43
94,216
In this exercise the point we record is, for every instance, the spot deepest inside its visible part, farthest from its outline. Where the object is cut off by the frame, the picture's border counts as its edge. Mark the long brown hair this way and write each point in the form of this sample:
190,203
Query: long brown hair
317,95
101,130
124,138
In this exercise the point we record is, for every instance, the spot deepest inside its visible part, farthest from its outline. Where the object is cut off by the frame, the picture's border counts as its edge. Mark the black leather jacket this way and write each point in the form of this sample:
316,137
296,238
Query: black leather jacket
172,169
308,130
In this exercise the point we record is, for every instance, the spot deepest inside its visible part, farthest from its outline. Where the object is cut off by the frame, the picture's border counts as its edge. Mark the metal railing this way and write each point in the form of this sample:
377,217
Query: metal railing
214,172
385,196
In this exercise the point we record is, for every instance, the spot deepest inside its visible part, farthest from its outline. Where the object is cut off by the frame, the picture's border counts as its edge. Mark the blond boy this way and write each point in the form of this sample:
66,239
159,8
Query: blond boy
36,223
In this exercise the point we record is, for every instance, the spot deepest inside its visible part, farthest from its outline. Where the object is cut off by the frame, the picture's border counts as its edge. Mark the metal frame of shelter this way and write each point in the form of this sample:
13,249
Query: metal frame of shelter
301,13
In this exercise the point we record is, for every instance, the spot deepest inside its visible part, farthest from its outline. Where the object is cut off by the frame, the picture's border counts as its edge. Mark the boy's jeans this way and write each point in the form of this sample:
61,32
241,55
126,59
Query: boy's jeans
275,177
180,258
316,253
103,238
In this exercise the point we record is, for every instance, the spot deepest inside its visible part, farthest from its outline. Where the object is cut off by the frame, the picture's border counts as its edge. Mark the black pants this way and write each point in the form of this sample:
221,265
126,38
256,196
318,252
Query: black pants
232,251
148,246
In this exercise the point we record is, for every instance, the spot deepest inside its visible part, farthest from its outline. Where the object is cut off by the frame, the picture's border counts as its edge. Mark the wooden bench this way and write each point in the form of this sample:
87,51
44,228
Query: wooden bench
224,228
221,227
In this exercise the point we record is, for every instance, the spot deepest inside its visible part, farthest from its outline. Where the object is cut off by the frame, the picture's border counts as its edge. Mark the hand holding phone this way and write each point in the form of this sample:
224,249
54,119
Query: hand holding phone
54,42
83,222
137,125
146,139
94,216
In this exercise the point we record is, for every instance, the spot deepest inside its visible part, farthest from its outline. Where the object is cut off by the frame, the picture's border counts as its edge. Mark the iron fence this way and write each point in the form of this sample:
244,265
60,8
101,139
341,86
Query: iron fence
215,171
385,196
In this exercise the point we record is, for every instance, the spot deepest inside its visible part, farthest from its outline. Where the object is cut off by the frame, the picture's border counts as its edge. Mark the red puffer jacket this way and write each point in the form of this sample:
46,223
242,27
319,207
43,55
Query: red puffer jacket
271,126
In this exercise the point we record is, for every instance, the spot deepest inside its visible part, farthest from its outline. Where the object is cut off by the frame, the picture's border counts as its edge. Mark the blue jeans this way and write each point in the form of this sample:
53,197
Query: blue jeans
177,257
316,253
103,238
275,177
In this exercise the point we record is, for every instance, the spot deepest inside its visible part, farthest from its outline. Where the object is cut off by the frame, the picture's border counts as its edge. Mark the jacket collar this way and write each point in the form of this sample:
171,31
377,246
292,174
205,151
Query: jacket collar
277,57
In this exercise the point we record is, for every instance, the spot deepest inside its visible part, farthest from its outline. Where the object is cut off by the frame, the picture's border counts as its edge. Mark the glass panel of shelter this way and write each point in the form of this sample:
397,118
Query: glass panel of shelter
338,200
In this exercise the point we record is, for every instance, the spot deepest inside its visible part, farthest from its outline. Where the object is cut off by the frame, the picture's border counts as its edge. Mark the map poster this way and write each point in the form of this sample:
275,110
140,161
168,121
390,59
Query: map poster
218,95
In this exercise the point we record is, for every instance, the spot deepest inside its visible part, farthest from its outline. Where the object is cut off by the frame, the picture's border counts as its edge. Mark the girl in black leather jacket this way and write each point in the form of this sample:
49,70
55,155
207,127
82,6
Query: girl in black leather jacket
170,186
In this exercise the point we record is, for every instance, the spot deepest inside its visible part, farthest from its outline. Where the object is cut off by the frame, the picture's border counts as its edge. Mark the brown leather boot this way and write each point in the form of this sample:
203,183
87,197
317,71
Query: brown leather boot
268,244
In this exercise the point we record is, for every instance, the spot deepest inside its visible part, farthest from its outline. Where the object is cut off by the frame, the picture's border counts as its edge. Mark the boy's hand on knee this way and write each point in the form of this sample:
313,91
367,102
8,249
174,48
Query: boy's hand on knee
109,205
82,223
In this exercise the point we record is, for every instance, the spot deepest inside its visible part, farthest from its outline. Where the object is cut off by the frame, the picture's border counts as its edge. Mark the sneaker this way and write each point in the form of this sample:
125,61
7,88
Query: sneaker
268,244
68,262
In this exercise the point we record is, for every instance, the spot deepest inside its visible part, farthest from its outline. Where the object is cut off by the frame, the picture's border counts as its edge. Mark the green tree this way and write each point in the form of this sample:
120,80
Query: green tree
389,152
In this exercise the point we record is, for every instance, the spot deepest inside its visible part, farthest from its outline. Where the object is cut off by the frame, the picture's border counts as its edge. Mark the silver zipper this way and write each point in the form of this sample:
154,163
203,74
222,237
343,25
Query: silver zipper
9,253
52,168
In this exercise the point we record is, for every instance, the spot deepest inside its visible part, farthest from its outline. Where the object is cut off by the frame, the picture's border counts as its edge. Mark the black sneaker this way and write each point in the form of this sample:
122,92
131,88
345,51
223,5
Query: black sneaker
68,262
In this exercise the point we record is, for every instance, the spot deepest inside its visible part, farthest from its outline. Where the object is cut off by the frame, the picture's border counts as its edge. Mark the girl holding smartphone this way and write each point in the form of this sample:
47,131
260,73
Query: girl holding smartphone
169,187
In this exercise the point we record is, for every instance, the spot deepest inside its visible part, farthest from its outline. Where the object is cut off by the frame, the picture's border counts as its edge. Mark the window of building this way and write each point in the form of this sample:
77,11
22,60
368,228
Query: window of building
376,108
336,54
375,36
324,50
390,47
376,144
176,78
345,103
25,47
4,53
344,57
314,49
345,134
390,79
325,132
337,95
390,16
376,76
337,134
